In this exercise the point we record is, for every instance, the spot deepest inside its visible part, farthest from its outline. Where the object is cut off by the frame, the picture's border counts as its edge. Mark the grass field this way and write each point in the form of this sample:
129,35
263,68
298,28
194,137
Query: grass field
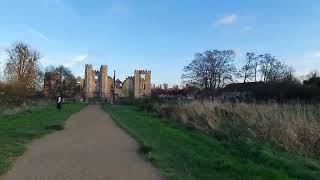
16,131
186,153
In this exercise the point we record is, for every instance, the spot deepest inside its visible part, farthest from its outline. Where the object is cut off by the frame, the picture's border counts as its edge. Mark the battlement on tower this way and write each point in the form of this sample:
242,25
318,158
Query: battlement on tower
104,67
142,83
88,66
129,77
142,71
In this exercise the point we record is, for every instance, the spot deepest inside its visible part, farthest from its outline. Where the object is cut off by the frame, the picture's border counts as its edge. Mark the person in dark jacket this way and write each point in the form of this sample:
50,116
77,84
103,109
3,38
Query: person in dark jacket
59,102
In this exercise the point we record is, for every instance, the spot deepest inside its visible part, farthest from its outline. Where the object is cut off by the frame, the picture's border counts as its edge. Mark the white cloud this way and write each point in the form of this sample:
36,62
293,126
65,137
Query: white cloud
38,33
76,60
247,28
228,19
119,8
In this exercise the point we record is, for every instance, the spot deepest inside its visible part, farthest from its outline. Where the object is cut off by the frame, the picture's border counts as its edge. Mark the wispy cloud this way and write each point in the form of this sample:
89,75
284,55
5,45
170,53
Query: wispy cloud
76,60
228,19
119,8
38,34
232,19
67,61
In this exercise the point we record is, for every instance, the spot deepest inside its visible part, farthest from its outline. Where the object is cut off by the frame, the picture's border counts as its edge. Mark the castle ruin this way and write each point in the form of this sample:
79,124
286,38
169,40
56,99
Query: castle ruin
97,84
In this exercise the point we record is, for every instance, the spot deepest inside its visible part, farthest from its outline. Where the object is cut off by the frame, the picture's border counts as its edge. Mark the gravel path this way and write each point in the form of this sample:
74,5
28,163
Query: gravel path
91,147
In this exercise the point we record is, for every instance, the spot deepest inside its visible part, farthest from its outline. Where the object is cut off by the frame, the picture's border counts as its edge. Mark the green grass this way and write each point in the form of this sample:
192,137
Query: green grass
186,153
16,131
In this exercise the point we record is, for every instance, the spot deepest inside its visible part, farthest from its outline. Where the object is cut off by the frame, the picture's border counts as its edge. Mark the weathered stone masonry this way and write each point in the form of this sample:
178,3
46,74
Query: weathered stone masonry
97,84
142,83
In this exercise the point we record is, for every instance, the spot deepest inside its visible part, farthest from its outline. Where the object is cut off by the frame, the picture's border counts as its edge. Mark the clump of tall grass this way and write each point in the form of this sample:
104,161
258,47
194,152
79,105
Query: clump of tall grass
293,126
7,111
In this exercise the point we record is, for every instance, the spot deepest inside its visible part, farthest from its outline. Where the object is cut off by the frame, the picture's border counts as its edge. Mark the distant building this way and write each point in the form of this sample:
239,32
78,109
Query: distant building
240,91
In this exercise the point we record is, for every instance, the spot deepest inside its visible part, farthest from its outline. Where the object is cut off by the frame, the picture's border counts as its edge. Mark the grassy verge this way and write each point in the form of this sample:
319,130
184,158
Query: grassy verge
16,131
186,153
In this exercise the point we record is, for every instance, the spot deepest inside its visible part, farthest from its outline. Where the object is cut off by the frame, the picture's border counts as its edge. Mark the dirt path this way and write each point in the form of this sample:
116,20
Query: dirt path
91,147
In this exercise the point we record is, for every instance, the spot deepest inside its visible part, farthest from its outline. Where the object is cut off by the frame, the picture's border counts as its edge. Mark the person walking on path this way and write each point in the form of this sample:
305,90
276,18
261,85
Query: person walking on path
59,102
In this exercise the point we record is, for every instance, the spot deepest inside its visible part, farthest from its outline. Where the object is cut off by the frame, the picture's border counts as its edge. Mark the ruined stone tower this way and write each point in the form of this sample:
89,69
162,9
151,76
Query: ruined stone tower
142,83
103,81
96,82
89,84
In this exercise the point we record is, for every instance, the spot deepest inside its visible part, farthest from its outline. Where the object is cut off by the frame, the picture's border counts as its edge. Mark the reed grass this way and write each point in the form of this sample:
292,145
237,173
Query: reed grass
292,126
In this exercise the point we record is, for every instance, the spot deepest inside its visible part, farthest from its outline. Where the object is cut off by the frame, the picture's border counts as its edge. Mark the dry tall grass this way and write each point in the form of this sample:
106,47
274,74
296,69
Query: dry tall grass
291,126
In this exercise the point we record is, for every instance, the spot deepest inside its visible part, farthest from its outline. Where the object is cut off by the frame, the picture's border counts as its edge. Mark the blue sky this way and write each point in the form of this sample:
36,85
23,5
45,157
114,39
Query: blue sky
161,35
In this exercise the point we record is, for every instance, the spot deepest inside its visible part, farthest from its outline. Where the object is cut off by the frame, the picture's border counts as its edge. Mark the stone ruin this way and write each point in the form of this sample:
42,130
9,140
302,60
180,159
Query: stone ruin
97,84
142,83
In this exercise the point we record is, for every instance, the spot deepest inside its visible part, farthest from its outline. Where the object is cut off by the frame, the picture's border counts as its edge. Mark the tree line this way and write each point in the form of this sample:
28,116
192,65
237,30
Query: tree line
211,71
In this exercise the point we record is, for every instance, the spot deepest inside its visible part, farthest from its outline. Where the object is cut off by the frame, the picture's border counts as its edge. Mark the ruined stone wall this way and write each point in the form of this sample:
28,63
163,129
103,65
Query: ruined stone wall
119,92
148,84
128,87
118,89
110,86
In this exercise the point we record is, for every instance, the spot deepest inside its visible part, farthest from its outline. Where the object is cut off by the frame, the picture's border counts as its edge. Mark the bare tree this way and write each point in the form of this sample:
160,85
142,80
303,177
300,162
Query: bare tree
22,64
289,74
211,70
248,71
1,69
271,68
265,66
226,68
313,79
313,74
256,64
59,80
197,71
165,86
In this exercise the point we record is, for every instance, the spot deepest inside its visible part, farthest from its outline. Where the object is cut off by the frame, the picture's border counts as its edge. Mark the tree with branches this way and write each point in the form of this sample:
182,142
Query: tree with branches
211,70
272,69
248,71
59,80
23,65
